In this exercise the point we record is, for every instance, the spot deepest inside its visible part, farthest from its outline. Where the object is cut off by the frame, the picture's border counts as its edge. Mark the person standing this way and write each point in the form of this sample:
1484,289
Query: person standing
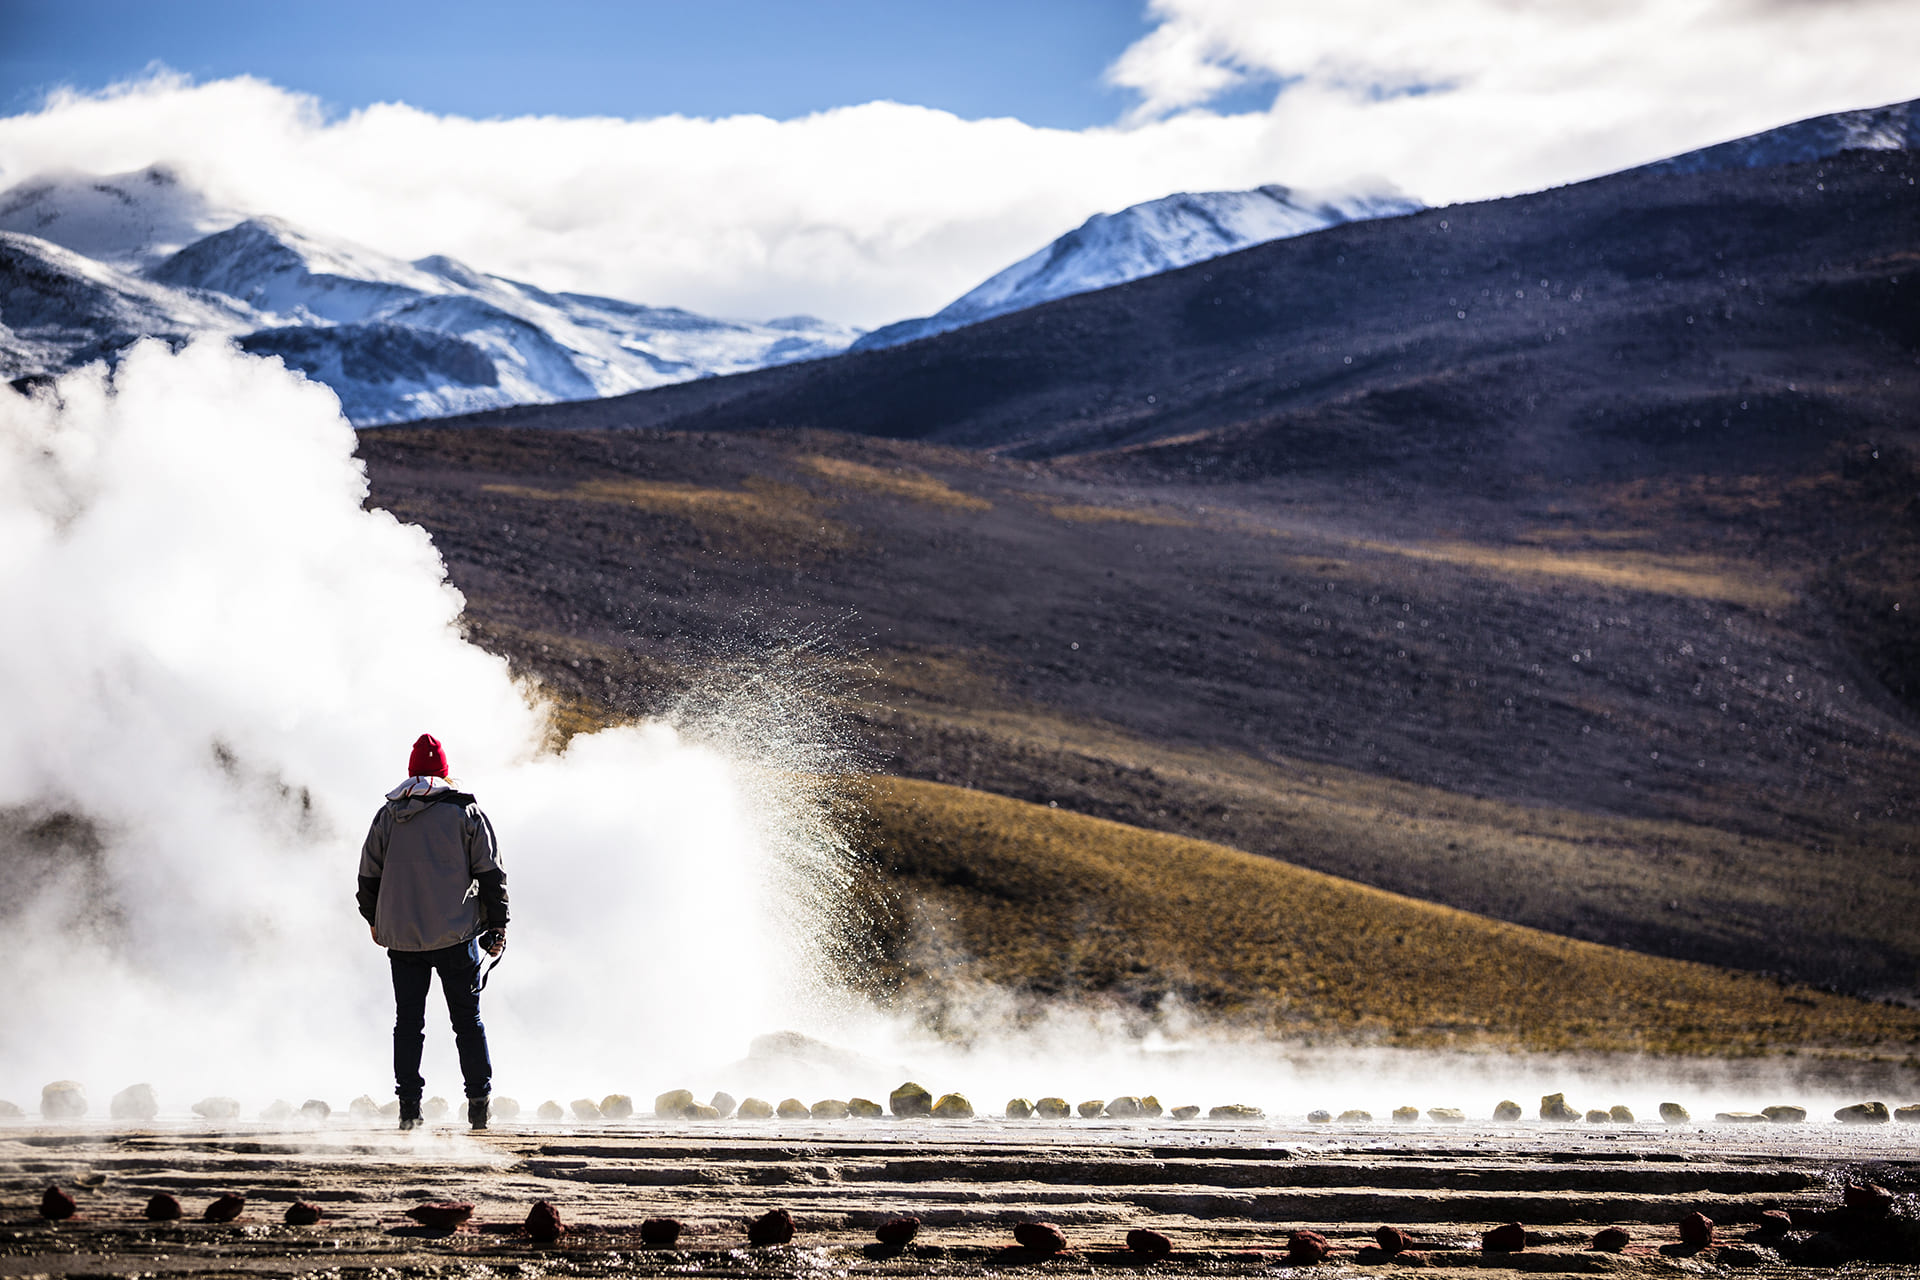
434,895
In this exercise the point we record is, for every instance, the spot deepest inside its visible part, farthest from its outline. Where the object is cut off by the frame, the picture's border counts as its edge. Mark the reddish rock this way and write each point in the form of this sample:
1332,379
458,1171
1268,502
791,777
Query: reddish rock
441,1215
661,1233
1610,1240
775,1226
1304,1248
1148,1244
302,1214
1041,1237
1510,1238
1867,1197
1696,1229
1393,1240
543,1224
163,1207
897,1233
1775,1222
56,1205
226,1208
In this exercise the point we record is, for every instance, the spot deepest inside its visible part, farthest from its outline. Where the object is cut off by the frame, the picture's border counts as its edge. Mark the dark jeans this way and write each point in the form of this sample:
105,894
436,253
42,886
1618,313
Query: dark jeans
459,968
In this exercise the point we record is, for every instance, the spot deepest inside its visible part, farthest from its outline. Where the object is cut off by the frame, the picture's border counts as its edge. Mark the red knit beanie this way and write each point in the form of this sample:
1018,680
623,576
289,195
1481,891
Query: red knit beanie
429,758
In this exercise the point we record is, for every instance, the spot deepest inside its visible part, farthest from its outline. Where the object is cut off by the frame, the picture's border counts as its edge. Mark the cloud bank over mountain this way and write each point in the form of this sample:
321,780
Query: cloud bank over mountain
871,212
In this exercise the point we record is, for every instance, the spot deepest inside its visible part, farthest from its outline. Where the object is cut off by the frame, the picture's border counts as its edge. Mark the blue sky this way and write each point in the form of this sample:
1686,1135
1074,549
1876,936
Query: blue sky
1039,60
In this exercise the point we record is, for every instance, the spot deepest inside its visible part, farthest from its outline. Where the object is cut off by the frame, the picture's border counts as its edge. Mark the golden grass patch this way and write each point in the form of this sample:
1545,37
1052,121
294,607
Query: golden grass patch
899,482
1696,577
1058,904
1084,513
767,515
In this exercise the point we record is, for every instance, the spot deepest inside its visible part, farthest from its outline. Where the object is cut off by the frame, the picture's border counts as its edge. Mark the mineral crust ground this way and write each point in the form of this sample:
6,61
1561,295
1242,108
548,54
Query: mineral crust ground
1227,1196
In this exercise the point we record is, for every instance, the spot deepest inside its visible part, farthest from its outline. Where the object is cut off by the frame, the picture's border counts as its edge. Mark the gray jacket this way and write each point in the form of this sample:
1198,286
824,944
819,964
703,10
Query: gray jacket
430,872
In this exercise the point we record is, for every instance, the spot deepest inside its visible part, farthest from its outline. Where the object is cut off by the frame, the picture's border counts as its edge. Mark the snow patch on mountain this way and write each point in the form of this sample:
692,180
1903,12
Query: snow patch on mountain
1890,128
1143,240
92,265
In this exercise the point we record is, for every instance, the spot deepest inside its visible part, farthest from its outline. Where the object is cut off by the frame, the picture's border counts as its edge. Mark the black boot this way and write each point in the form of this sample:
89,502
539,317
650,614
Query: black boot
409,1114
477,1112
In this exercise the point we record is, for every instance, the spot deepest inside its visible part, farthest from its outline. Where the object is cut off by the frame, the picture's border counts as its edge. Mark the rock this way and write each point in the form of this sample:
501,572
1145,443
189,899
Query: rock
755,1109
1905,1115
1620,1115
217,1108
162,1206
1305,1248
277,1111
543,1224
390,1110
616,1106
1319,1117
441,1215
701,1111
1236,1111
793,1109
830,1109
865,1109
363,1108
506,1109
662,1233
1597,1116
1143,1243
63,1100
1446,1115
1774,1222
910,1101
1150,1107
775,1226
56,1205
1052,1109
1554,1106
1610,1240
10,1110
1739,1117
1185,1113
724,1103
585,1110
316,1110
1696,1230
1405,1115
897,1233
1742,1255
1125,1107
226,1208
1041,1237
1092,1107
673,1104
953,1106
1785,1115
1673,1113
1392,1240
302,1214
1356,1117
135,1102
1858,1113
435,1108
1019,1109
1510,1238
1867,1197
550,1111
1507,1112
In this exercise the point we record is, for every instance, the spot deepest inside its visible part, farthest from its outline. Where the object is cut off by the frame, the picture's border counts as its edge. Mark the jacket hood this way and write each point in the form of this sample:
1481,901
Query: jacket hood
417,793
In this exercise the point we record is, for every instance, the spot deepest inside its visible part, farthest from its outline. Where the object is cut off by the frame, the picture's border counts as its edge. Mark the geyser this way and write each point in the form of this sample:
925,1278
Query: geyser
213,659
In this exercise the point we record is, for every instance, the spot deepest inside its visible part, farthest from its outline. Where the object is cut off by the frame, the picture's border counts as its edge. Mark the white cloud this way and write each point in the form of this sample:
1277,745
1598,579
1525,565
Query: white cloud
873,212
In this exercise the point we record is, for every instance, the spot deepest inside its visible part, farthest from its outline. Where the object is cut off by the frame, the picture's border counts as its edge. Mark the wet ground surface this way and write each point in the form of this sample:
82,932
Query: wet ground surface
1227,1197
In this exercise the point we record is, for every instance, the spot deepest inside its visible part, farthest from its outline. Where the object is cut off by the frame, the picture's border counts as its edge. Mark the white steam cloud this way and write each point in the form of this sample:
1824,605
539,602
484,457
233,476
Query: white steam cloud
868,213
216,660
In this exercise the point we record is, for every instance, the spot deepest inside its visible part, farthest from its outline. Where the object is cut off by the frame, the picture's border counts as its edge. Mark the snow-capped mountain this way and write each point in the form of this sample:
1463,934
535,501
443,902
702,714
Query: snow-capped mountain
1890,128
1143,240
87,266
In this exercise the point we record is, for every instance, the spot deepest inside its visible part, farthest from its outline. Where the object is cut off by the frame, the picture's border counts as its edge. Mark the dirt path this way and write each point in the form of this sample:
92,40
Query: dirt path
1227,1197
